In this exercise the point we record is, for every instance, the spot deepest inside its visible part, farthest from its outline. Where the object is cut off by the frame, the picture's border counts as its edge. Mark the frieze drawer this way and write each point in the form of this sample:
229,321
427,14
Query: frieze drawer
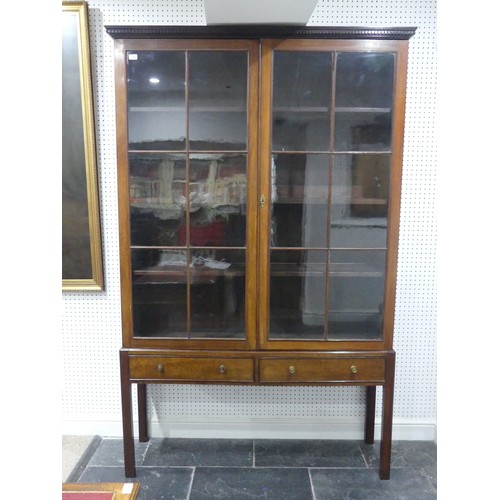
192,369
321,370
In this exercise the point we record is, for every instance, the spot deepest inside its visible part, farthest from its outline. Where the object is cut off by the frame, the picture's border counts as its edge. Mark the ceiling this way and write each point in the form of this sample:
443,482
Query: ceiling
259,11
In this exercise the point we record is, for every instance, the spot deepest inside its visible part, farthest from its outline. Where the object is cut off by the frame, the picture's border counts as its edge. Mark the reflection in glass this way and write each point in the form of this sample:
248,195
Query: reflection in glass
364,80
302,94
156,99
363,131
370,185
217,100
157,197
216,281
356,294
360,201
297,294
300,200
335,294
217,293
217,202
217,199
159,293
363,101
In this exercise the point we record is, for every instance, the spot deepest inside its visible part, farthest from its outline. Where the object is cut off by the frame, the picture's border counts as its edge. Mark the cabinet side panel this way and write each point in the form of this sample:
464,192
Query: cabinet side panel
395,191
123,191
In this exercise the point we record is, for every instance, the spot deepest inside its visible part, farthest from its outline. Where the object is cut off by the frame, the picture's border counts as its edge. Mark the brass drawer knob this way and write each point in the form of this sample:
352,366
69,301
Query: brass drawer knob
159,368
291,369
222,369
354,369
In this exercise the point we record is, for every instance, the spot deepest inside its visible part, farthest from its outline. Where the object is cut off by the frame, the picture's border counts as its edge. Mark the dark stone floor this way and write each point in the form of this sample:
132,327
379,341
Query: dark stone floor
195,469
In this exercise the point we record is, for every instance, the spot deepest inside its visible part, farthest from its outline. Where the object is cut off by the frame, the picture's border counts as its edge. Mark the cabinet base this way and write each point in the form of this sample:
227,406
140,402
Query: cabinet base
386,381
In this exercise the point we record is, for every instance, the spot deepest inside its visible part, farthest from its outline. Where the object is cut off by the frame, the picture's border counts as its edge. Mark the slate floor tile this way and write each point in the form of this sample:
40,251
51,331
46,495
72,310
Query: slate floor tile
199,452
404,454
110,452
155,483
364,484
308,453
430,471
195,469
250,483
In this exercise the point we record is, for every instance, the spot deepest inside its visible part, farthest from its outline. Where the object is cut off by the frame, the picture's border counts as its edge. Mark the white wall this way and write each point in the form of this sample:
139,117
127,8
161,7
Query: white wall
91,324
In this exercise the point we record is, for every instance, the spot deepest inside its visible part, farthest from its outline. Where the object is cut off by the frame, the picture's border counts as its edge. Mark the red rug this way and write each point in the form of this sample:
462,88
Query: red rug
82,495
99,491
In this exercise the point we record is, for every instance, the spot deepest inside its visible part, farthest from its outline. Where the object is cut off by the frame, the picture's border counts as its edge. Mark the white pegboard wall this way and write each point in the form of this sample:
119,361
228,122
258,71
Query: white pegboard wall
91,322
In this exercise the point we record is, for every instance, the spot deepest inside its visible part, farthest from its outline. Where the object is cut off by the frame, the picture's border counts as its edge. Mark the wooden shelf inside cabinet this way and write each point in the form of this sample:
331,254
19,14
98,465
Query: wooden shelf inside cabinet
171,274
182,109
317,200
353,109
368,201
300,201
323,109
336,269
301,109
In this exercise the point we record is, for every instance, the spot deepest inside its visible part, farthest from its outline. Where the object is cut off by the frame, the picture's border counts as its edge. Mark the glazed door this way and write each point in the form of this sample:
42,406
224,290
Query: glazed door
188,179
328,126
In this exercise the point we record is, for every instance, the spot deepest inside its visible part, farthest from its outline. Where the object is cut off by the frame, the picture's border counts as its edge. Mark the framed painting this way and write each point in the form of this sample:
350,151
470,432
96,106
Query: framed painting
81,232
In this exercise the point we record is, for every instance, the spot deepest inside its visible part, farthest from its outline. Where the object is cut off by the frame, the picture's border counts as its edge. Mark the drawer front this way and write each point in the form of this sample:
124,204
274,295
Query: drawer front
192,369
321,370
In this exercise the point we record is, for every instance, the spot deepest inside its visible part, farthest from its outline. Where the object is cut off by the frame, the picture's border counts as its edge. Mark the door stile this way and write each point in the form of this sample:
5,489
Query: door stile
265,200
251,277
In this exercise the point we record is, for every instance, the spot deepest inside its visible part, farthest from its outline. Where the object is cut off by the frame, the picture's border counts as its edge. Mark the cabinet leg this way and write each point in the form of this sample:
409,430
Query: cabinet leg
371,396
143,413
127,420
387,410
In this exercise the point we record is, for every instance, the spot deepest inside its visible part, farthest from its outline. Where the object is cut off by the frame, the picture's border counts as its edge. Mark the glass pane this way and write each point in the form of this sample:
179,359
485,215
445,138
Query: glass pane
362,131
360,200
156,99
218,100
297,294
302,95
364,80
363,101
217,200
157,184
159,293
356,294
218,294
300,200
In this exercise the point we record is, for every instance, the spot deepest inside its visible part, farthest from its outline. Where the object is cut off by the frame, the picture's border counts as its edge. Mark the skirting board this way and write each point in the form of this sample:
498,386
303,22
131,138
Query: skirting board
256,428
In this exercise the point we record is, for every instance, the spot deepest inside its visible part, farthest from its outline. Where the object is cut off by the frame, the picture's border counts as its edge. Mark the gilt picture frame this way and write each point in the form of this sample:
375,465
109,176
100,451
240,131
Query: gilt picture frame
82,266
